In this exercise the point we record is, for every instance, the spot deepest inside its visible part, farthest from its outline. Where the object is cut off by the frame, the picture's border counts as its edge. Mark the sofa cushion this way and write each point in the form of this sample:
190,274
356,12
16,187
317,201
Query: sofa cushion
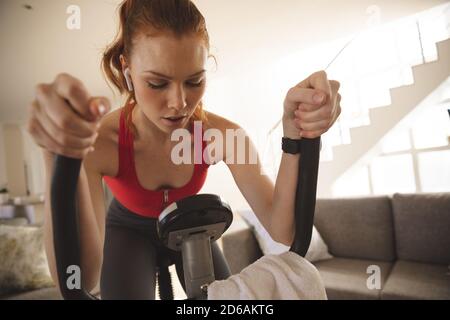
14,222
346,279
317,251
40,294
359,228
422,227
23,263
412,280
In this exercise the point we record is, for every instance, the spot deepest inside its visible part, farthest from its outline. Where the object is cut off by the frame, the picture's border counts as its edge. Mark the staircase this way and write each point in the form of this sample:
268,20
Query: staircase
427,77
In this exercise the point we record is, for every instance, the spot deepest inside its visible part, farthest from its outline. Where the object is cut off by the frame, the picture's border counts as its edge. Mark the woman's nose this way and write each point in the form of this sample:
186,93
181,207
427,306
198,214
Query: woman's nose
177,99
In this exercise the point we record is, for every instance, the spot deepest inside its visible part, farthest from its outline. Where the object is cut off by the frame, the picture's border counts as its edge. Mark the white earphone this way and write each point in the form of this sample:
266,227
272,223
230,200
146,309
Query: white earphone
127,76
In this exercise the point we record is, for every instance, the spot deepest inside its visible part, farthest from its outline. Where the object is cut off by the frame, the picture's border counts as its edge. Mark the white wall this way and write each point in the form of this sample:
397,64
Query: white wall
21,160
15,161
3,178
245,35
35,164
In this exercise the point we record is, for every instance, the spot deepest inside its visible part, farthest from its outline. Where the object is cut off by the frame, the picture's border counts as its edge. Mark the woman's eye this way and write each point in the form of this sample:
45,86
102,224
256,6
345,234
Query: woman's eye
164,85
156,86
196,84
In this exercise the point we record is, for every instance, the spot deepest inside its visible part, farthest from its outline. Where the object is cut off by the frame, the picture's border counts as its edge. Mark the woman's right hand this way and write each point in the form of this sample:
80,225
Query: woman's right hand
64,118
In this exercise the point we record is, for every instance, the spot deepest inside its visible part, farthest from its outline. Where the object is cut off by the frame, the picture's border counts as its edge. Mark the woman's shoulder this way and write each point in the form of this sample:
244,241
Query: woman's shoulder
219,122
108,132
109,126
104,159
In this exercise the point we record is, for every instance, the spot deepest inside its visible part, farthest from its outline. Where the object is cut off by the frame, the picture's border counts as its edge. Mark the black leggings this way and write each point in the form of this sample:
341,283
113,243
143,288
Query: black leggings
132,252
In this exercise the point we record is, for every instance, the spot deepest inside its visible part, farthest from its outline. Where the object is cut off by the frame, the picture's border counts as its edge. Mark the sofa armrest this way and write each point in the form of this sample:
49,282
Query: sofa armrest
239,246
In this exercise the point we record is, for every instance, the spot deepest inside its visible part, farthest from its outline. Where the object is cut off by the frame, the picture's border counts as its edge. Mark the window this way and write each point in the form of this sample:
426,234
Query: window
391,174
434,168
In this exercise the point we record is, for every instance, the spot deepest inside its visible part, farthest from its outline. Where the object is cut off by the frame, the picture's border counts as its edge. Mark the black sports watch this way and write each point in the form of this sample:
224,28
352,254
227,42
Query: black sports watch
291,146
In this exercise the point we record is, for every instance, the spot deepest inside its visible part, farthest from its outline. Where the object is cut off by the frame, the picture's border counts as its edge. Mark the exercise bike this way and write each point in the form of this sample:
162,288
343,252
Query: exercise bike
189,225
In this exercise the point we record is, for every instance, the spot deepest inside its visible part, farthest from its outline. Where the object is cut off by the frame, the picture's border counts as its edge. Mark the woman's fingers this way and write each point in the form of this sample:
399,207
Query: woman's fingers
298,95
61,113
313,126
312,116
64,117
76,95
99,106
46,141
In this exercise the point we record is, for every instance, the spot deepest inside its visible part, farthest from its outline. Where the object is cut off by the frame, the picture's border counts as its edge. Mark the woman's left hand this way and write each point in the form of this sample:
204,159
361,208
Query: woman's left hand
305,114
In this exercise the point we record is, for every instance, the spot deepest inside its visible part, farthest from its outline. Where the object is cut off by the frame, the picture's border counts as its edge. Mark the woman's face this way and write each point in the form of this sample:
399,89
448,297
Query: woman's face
169,78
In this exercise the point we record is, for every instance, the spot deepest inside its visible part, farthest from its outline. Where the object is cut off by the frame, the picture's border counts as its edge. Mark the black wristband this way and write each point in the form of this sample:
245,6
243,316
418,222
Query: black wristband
291,146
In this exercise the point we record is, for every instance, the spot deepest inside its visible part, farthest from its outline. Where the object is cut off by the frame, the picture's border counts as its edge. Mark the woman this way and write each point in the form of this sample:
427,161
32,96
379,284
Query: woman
158,60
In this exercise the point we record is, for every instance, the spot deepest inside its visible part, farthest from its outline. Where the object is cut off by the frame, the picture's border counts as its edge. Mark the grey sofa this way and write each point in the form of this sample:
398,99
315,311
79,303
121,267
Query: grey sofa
405,236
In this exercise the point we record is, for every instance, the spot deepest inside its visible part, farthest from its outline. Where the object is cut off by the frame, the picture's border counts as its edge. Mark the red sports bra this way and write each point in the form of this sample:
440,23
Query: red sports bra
128,191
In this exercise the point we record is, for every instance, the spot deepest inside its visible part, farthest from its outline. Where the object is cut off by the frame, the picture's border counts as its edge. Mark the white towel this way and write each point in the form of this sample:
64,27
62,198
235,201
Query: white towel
273,277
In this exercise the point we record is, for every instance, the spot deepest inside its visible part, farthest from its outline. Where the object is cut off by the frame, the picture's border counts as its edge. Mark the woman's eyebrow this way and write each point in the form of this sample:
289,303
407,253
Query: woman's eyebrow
169,78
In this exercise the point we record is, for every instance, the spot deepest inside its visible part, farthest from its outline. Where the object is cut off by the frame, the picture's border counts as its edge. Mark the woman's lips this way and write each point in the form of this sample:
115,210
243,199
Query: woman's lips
175,122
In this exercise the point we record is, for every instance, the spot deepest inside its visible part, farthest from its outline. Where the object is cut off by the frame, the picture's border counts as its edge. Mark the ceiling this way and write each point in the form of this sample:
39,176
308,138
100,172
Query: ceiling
36,44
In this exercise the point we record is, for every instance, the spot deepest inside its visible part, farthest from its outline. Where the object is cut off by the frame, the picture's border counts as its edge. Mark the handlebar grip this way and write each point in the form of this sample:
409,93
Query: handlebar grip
305,197
65,218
